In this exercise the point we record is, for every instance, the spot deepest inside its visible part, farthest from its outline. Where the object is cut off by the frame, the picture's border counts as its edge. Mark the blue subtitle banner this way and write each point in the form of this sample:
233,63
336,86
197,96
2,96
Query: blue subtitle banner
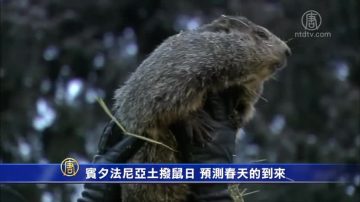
69,171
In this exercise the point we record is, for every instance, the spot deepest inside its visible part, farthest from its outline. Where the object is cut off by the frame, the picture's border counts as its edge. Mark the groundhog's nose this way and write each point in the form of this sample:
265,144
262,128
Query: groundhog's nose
283,59
287,50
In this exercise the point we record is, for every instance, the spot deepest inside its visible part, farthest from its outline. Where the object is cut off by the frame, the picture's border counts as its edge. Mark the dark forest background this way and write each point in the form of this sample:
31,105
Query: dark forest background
57,56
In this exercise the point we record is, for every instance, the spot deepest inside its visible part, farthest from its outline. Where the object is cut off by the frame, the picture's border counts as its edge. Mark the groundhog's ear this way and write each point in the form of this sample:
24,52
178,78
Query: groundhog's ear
226,24
238,23
217,25
221,24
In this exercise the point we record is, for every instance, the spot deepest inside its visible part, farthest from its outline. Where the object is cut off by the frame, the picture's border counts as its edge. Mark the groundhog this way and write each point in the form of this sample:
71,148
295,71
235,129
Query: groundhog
174,81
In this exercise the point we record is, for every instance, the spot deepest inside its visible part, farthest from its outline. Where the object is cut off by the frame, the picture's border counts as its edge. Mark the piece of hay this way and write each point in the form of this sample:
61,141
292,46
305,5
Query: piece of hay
107,111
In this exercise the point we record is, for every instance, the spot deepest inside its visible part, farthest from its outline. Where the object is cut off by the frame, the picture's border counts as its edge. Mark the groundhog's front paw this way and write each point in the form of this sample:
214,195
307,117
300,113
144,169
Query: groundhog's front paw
202,127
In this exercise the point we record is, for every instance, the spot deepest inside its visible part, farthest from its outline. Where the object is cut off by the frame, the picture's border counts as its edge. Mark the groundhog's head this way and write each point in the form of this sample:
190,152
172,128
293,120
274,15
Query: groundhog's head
264,52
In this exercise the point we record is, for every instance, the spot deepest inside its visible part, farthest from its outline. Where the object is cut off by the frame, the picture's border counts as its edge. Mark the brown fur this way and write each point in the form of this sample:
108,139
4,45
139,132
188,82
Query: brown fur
172,84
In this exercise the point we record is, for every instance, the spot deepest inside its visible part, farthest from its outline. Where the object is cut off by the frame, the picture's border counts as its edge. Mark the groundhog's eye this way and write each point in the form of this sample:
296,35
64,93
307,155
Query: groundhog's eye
261,34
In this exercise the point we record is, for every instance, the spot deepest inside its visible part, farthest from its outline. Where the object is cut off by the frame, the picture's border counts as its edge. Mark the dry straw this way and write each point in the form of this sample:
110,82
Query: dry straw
107,111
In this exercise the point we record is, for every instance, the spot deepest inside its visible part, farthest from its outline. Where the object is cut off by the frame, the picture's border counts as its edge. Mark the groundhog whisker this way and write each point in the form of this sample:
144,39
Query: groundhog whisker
287,41
273,77
256,94
261,97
